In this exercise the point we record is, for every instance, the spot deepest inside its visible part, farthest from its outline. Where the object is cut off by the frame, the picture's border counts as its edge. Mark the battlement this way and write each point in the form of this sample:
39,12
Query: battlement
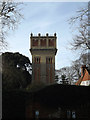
39,41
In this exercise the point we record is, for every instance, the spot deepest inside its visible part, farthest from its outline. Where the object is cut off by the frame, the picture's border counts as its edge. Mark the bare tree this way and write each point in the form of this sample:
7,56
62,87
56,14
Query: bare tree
70,73
81,39
77,64
10,17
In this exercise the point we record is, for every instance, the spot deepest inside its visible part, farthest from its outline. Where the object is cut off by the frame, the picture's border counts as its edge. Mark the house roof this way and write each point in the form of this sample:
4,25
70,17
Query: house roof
87,69
79,81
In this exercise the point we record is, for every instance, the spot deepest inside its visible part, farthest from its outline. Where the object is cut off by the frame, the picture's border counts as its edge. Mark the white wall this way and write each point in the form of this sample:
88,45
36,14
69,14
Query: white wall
85,83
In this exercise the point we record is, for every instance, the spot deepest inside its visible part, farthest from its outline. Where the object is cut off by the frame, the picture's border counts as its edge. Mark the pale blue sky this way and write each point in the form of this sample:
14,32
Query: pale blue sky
46,17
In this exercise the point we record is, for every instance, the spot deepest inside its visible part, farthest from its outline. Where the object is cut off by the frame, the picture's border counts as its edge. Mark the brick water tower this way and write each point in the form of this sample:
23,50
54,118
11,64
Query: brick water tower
43,50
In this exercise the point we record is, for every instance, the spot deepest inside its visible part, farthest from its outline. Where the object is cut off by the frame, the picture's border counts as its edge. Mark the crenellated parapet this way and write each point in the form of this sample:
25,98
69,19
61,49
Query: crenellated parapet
40,42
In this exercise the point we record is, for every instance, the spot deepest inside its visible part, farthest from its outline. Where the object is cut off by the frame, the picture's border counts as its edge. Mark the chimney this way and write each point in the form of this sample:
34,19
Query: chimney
83,69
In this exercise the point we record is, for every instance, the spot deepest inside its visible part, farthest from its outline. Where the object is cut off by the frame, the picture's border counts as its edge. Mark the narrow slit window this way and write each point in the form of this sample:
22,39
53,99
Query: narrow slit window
37,60
49,60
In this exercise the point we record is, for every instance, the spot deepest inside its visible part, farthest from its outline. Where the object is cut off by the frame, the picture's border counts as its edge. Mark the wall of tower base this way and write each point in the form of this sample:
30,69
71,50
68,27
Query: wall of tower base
43,73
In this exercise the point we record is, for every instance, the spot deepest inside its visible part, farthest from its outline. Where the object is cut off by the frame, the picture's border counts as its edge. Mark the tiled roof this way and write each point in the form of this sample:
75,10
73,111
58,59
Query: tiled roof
88,69
79,81
81,78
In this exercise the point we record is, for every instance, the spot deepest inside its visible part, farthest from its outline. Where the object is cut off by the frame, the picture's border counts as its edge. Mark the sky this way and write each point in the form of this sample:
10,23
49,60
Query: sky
46,17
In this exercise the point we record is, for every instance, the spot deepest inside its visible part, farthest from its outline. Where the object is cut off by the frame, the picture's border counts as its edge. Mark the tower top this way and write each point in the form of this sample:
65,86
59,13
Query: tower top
43,42
39,34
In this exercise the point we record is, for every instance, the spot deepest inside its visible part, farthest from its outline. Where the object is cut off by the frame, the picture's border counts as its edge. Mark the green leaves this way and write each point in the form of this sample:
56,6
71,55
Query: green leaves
15,71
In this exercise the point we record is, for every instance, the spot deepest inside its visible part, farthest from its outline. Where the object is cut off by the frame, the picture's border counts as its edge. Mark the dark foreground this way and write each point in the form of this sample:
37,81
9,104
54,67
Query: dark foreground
52,102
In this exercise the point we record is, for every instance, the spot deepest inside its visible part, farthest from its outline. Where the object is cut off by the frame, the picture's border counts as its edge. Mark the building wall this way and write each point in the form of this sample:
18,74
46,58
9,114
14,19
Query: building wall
43,49
60,101
65,112
86,79
85,83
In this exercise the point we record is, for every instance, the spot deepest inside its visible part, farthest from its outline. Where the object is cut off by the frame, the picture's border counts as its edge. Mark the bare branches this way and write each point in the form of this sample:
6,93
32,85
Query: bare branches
81,15
81,39
10,17
3,43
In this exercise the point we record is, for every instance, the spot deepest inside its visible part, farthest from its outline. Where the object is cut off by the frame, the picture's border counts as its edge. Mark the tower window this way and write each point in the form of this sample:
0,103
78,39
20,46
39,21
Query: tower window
51,42
49,60
43,42
35,42
37,60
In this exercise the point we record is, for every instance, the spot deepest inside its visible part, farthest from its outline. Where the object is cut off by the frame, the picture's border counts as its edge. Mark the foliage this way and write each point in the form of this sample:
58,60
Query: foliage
16,69
10,16
35,86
